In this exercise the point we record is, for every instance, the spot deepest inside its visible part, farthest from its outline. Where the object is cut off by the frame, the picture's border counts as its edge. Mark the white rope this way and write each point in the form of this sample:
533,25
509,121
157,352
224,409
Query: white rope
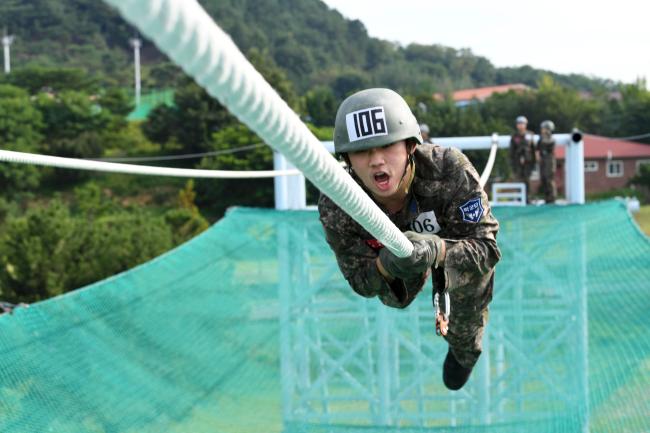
487,171
113,167
187,34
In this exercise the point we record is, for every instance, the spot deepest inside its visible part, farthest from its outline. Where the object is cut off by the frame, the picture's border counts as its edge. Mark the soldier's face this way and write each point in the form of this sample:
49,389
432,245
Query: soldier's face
381,169
521,127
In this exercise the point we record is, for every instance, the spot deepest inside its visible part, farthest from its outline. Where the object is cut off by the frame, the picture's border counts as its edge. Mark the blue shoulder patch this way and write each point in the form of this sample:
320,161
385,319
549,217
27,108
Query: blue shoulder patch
472,211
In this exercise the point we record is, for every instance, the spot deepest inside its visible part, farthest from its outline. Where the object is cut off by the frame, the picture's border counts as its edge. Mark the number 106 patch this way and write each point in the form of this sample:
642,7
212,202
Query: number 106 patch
366,123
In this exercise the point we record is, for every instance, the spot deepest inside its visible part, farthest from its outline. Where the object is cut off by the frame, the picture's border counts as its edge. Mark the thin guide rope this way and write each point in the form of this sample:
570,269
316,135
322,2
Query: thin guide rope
114,167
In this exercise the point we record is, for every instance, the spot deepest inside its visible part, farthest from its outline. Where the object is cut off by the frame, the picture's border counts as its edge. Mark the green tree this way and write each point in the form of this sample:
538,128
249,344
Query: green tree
564,106
630,115
49,250
196,115
52,79
186,220
219,194
116,242
274,75
35,253
642,181
191,122
349,82
118,102
310,41
321,106
21,126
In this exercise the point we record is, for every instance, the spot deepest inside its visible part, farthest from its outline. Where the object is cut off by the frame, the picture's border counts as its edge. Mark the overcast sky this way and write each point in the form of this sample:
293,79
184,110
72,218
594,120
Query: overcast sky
607,39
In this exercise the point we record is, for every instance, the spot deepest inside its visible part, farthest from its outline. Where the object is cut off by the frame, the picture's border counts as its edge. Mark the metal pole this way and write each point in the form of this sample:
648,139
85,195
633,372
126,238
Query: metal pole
290,191
287,366
6,42
485,142
383,364
136,43
280,183
297,190
584,326
568,171
579,173
500,361
484,382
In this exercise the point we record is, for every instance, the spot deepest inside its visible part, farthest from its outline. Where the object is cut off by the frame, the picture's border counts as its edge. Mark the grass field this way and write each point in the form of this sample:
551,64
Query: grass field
643,218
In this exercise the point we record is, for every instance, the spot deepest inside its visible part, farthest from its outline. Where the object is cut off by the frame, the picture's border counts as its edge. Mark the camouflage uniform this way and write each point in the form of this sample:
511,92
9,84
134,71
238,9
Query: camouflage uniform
546,148
522,157
445,182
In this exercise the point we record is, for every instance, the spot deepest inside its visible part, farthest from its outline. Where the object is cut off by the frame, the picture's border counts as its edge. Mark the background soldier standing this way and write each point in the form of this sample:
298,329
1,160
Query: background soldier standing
433,194
424,129
546,147
522,153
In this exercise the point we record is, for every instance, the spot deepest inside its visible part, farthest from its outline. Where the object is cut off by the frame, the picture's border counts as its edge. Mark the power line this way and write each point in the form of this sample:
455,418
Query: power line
176,157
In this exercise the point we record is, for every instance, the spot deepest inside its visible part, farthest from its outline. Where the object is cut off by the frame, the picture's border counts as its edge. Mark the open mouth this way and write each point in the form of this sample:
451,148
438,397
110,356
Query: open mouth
382,180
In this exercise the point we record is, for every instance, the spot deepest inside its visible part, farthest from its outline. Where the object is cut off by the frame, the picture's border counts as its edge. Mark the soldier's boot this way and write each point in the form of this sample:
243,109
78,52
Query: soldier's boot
454,375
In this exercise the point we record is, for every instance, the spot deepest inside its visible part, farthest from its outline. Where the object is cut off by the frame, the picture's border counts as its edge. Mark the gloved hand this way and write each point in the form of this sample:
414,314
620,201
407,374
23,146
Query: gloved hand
426,249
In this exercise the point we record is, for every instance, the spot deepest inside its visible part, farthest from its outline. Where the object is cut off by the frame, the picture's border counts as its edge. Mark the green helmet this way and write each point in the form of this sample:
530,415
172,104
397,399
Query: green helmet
373,118
548,124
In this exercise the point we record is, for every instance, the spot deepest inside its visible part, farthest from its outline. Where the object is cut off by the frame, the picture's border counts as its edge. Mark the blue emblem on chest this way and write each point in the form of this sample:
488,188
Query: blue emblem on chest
472,211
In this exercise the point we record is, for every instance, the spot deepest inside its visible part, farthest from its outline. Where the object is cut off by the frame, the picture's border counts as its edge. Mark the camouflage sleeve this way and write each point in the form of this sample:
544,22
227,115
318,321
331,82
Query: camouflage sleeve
357,259
470,234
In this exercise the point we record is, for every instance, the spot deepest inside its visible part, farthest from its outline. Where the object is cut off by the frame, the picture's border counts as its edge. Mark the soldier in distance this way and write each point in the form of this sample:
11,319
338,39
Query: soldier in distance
522,153
433,195
546,149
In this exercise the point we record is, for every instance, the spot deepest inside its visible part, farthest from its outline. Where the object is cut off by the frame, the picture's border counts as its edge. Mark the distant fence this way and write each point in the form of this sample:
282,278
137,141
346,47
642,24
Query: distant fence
151,100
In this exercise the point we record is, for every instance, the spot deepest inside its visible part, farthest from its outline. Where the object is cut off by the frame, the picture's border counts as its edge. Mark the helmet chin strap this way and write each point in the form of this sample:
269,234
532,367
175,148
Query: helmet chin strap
409,161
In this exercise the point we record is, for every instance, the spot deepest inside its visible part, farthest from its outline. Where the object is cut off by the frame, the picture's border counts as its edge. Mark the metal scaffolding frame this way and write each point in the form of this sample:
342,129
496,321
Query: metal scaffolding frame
349,360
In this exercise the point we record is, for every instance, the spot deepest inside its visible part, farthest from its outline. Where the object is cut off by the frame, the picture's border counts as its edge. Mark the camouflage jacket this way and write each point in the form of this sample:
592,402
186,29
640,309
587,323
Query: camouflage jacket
522,151
545,147
446,199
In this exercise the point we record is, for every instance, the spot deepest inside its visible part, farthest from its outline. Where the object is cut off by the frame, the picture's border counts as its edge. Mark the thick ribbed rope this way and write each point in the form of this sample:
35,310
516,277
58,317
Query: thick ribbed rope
114,167
187,34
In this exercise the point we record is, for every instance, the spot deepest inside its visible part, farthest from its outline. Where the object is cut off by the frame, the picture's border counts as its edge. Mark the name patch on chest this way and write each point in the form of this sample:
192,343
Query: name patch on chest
426,222
472,211
366,123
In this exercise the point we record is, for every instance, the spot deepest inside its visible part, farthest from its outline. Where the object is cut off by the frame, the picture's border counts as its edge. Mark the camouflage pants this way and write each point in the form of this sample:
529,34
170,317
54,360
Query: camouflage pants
521,173
465,335
468,317
547,172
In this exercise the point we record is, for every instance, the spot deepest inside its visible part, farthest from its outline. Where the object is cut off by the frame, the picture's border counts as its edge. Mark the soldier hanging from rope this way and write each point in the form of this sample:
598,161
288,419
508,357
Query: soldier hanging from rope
433,195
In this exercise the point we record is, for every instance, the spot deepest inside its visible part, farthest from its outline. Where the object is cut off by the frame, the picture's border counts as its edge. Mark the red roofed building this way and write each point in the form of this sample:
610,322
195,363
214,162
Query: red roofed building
609,163
467,96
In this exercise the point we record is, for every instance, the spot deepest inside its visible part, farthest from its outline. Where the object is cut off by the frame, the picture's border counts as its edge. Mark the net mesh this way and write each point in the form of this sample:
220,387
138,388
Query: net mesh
251,328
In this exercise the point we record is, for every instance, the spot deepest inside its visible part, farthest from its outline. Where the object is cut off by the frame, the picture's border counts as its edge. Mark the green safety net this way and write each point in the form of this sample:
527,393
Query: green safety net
250,328
149,101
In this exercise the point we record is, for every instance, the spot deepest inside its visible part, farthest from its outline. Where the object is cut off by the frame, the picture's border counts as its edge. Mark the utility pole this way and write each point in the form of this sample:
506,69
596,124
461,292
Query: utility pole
6,42
136,43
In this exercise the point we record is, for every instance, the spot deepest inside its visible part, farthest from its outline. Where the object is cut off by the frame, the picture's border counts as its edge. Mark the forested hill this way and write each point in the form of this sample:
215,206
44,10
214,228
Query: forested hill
314,44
